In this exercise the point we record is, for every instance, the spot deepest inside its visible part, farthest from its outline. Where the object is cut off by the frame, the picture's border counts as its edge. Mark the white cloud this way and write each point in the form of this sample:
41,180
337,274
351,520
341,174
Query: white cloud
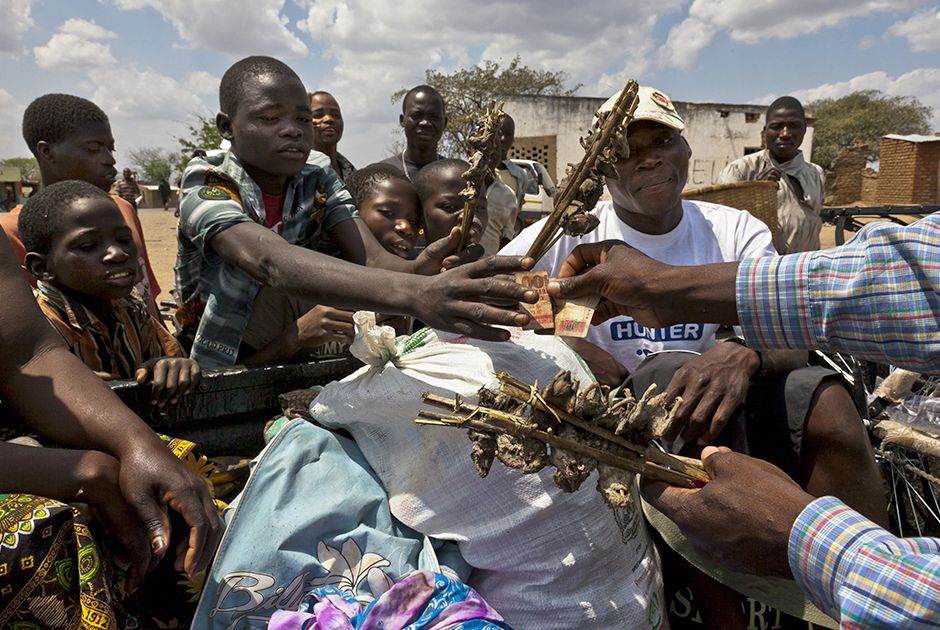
750,22
72,47
17,19
387,45
923,83
922,30
236,27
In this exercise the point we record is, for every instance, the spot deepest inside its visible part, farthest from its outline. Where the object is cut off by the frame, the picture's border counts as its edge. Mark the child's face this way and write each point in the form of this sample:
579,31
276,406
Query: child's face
85,153
391,214
327,121
271,131
443,209
94,254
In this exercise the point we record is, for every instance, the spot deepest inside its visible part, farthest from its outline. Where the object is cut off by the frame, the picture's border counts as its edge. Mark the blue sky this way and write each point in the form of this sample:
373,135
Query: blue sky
152,65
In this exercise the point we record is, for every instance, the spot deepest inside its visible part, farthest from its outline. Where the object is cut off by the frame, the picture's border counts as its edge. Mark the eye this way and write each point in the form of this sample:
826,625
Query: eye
86,247
387,214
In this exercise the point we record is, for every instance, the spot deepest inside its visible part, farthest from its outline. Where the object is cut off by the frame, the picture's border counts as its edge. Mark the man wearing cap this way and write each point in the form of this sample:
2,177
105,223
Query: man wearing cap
803,420
802,185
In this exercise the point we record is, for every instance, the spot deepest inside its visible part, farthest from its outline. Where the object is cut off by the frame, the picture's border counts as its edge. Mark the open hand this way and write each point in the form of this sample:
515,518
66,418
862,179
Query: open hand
173,378
463,299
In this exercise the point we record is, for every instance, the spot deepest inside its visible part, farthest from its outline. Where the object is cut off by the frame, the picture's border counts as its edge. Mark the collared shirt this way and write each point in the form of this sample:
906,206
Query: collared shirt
516,178
876,296
797,217
112,354
501,210
217,193
346,167
860,573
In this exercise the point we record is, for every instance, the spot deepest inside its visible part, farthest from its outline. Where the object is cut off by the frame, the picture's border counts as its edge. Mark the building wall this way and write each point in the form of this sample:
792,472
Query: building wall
844,182
907,173
717,133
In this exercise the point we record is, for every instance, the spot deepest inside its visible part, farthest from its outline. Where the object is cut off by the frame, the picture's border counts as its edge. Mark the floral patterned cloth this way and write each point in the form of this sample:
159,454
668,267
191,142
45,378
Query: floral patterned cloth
420,601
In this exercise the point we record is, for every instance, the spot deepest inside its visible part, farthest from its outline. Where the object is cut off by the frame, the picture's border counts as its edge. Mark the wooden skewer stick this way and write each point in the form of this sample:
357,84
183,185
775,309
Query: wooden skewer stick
492,118
514,425
622,111
519,390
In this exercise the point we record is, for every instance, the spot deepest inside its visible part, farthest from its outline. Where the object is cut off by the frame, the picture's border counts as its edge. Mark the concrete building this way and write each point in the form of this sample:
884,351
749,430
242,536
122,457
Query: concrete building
548,129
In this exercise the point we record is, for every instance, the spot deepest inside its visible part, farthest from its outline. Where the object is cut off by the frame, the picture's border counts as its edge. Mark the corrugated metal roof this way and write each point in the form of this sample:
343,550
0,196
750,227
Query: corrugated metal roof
913,138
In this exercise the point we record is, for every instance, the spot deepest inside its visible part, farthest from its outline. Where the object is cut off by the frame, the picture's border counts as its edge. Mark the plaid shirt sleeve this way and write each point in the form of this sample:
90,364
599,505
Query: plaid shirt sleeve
861,574
875,297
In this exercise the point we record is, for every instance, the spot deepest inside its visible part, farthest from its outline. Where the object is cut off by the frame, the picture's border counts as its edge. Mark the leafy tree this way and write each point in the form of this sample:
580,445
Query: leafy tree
29,168
203,135
152,163
469,91
865,116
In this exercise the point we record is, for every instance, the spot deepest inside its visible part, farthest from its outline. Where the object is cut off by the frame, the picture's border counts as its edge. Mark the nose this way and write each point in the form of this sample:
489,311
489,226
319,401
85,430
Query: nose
647,158
404,228
116,254
291,130
785,132
107,157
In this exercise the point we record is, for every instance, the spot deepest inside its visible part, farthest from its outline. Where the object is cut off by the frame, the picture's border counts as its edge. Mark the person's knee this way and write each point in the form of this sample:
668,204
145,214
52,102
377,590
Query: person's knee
833,420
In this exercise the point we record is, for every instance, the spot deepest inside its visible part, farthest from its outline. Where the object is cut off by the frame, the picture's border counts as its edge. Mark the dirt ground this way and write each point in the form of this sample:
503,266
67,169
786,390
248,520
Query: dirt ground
160,233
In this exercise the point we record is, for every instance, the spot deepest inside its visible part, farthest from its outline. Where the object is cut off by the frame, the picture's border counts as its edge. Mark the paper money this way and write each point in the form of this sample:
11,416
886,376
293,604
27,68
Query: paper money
541,311
573,317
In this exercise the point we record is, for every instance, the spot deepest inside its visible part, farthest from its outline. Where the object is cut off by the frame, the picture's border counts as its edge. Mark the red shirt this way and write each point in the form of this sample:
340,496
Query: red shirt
273,211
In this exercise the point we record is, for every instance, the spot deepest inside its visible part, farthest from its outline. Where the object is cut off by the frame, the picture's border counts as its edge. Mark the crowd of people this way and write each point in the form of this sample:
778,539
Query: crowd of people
273,233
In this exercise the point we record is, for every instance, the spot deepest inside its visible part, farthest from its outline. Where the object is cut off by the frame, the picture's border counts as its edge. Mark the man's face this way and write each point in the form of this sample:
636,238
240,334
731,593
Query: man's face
652,178
86,153
391,214
327,121
95,254
783,133
271,131
423,120
507,135
127,175
443,210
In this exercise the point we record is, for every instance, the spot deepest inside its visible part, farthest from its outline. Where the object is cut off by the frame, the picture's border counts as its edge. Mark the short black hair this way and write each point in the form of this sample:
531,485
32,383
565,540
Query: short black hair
426,179
786,102
40,219
51,117
363,182
248,69
423,88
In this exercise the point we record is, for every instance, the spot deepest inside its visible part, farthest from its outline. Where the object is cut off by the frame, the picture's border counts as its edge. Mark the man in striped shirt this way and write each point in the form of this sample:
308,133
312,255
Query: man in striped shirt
876,297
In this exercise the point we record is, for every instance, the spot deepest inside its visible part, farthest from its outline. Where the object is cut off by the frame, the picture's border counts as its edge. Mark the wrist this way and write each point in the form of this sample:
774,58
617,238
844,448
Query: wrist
758,366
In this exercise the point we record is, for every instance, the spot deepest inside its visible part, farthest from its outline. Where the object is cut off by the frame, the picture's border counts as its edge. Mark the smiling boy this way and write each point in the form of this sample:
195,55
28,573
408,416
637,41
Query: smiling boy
328,129
250,215
388,205
83,255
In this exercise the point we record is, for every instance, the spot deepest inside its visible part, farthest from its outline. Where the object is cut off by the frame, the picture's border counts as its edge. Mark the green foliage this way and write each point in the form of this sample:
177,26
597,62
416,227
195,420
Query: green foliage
29,168
469,91
864,116
203,135
152,163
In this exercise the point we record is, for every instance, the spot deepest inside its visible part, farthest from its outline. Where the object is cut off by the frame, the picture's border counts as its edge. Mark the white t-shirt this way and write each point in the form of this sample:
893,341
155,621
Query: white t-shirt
707,233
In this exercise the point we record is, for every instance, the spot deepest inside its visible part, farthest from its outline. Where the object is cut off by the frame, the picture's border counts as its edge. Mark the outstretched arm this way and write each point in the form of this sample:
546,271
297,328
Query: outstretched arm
453,301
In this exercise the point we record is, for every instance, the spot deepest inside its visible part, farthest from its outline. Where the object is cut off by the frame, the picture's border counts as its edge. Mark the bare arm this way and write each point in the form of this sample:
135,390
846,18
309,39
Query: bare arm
449,301
656,295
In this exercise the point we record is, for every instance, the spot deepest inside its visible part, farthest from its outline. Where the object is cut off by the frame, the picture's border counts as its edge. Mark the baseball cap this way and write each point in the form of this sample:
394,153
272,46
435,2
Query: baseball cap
653,105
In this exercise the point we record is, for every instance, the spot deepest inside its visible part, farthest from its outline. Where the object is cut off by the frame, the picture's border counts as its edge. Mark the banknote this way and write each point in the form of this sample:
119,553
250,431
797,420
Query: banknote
541,311
573,317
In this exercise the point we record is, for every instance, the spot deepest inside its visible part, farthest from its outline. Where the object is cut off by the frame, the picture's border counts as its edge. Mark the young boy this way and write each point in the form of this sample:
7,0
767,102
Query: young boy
85,260
71,139
388,205
244,211
438,185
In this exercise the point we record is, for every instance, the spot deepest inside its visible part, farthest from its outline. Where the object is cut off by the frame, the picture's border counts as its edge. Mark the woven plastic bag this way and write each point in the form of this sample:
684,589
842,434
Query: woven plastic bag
541,557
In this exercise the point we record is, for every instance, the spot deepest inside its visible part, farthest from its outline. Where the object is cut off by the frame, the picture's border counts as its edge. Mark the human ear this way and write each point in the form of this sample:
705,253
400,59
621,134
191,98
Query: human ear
36,266
401,120
224,125
687,146
45,151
